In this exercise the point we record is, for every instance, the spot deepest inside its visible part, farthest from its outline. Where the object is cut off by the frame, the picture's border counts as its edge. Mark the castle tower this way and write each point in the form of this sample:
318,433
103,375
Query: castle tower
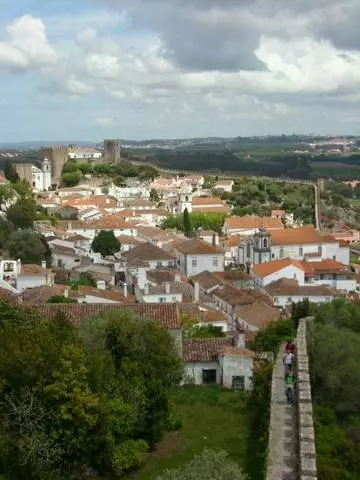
185,198
262,246
57,156
112,150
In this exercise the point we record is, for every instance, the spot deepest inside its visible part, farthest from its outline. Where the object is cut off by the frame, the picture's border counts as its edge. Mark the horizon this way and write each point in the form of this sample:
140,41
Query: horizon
104,68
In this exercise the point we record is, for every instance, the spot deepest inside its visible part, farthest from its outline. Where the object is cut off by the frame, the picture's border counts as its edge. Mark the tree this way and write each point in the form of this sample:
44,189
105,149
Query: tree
71,179
81,402
26,245
6,228
154,196
187,224
105,243
10,172
209,465
22,214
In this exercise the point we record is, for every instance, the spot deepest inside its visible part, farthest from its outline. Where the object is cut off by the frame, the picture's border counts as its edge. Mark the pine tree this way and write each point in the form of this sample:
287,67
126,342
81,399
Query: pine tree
187,224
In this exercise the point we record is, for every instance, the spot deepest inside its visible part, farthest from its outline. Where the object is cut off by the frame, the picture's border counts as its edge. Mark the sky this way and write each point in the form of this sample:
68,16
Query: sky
136,69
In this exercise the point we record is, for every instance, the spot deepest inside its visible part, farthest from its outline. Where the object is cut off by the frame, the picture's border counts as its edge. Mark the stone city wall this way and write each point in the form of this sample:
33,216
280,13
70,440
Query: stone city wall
306,444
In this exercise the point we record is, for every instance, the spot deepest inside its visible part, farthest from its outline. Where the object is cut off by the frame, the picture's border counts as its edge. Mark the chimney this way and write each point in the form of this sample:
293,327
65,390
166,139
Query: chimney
167,288
214,240
125,289
177,277
146,289
196,291
240,341
43,264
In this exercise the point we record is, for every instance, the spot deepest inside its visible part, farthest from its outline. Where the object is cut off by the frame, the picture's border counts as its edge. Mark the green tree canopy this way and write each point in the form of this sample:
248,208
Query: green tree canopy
209,465
26,245
23,213
187,223
10,172
71,179
81,402
105,243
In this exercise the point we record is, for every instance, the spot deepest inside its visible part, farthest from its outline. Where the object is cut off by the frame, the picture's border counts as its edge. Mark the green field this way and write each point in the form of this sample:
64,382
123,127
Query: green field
211,417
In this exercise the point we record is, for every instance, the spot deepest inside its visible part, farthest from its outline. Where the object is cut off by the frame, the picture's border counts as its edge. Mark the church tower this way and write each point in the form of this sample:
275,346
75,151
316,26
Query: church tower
262,246
46,174
185,198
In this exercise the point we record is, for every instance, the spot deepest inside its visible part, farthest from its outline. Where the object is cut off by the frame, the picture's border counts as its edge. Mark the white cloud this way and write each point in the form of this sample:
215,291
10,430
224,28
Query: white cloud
77,87
102,65
27,46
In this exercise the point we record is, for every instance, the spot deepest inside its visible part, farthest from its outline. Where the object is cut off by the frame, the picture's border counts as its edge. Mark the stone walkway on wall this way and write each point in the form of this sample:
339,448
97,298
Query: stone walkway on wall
283,448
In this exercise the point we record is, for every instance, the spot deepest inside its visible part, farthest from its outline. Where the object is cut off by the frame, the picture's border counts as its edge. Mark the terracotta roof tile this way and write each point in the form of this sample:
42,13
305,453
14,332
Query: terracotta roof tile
206,280
290,287
248,222
237,352
165,315
110,222
205,350
147,252
264,269
299,236
195,246
33,270
258,314
243,296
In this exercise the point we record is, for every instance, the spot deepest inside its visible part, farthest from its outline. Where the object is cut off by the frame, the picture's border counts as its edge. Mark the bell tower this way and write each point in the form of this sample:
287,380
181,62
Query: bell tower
185,198
262,246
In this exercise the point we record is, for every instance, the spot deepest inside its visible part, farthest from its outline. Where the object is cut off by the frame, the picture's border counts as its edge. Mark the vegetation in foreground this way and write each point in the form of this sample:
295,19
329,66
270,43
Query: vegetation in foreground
334,348
81,403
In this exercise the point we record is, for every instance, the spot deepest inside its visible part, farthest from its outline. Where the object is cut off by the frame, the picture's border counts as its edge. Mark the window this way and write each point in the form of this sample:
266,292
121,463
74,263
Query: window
320,250
59,263
301,251
248,250
289,300
281,255
8,267
238,382
208,376
162,299
273,255
265,246
158,264
194,262
322,276
77,260
173,299
170,264
215,262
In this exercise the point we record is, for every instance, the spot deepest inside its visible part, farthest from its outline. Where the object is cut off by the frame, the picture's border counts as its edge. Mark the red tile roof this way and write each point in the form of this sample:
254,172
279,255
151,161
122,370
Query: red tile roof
164,314
205,350
195,246
299,236
33,270
258,314
249,222
197,201
264,269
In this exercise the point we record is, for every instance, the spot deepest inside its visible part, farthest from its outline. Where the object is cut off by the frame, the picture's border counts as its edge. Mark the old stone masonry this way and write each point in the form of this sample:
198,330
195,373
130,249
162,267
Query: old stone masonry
292,454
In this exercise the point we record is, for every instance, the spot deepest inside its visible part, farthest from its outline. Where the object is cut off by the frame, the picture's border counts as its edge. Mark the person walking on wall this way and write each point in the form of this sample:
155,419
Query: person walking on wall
290,386
288,361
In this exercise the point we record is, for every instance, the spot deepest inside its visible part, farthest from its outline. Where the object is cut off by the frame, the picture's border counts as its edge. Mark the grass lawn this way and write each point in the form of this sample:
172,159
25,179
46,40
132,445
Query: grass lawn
211,417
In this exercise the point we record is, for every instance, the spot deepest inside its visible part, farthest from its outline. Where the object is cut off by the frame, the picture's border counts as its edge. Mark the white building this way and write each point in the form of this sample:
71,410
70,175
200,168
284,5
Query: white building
303,243
224,185
223,361
196,256
286,291
326,272
151,255
84,154
15,275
